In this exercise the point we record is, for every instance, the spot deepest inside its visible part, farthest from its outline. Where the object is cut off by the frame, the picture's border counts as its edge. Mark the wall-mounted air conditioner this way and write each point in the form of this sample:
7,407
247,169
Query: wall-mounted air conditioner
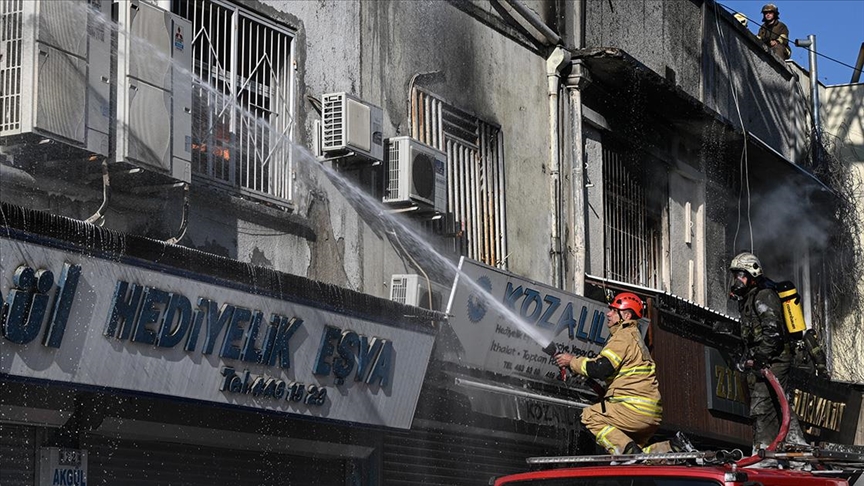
411,289
415,173
55,72
349,124
154,89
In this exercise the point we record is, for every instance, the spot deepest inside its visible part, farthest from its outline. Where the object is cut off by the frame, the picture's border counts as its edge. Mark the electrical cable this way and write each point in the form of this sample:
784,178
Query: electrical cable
744,166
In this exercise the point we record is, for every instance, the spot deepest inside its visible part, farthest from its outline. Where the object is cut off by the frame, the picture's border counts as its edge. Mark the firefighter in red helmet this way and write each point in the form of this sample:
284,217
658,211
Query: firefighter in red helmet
629,413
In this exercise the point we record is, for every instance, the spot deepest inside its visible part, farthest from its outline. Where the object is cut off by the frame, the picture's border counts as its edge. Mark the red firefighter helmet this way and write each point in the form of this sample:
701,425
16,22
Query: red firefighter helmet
627,301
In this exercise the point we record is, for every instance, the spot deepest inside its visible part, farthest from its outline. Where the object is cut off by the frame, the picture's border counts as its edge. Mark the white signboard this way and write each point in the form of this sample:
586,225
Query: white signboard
82,319
65,467
502,322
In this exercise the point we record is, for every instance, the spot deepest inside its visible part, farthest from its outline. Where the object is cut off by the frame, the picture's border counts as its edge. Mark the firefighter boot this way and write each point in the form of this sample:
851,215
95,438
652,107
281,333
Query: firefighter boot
680,443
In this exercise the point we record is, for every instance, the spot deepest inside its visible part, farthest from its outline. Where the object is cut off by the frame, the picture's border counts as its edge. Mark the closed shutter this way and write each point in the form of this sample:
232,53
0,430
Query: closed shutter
145,463
17,455
427,457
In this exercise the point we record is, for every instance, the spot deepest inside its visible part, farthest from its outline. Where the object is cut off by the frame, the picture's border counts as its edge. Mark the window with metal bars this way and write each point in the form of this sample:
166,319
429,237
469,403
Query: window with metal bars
243,108
475,217
633,201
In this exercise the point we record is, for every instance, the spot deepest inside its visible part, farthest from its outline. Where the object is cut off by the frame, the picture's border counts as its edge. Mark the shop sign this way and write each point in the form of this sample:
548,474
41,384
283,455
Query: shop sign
726,387
501,323
62,467
110,324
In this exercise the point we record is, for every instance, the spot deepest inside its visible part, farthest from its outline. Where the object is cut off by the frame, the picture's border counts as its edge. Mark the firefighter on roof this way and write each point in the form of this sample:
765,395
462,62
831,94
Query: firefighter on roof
764,334
630,411
773,33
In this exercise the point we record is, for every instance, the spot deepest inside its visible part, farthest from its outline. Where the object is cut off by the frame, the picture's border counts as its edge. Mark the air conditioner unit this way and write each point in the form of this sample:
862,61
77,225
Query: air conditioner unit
411,289
415,173
154,89
349,124
55,72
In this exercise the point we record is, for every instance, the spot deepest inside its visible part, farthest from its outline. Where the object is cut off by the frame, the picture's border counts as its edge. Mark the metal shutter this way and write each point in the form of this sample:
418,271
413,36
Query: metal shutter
432,457
17,455
145,463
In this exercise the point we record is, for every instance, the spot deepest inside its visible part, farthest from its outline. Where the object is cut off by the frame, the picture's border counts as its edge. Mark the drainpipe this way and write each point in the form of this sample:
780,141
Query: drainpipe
554,63
816,134
576,81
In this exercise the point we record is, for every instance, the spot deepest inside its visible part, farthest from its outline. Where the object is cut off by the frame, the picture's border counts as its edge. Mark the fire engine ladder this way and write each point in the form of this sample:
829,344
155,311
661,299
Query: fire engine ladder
710,457
816,454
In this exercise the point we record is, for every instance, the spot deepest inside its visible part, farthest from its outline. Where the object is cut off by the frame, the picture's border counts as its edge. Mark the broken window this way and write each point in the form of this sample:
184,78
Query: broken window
475,214
242,119
633,201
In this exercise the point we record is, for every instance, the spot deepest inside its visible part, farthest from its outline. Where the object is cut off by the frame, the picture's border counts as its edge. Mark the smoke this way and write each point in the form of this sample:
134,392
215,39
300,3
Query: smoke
787,220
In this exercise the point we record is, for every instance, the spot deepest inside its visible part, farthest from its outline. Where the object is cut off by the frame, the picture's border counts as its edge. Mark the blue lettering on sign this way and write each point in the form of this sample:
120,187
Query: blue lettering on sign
262,386
540,310
26,306
150,315
373,359
69,477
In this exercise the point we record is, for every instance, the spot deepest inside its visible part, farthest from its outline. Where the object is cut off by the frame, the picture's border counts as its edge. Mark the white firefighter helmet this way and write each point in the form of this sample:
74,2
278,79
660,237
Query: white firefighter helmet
747,262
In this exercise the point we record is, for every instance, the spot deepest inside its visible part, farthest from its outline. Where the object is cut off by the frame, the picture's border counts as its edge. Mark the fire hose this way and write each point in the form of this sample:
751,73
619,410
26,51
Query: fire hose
784,423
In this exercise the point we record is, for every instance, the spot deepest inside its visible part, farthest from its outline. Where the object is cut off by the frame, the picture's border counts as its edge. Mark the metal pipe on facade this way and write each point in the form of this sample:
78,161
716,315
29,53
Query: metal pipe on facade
575,83
859,65
551,37
816,135
554,63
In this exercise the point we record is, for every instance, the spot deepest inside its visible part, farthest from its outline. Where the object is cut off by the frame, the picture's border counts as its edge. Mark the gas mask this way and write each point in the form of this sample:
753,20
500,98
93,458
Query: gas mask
739,284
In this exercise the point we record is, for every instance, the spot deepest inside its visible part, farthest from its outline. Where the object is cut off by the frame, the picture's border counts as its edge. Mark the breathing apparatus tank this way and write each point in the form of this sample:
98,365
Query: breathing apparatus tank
793,311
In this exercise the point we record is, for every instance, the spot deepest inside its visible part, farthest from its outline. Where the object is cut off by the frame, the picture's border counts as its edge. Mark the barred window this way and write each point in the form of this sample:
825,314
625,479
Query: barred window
243,112
633,201
475,216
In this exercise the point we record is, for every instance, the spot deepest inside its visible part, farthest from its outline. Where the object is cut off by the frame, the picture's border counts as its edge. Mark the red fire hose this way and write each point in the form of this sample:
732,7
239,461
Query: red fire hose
784,423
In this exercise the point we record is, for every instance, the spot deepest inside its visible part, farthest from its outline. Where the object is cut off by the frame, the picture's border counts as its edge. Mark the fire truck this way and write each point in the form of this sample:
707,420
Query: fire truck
776,465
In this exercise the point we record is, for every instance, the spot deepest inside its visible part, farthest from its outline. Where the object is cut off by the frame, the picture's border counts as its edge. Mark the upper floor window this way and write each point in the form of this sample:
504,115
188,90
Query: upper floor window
633,202
475,216
243,109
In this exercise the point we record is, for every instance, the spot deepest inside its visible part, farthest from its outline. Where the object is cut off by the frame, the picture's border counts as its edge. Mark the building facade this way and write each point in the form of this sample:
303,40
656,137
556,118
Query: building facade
226,168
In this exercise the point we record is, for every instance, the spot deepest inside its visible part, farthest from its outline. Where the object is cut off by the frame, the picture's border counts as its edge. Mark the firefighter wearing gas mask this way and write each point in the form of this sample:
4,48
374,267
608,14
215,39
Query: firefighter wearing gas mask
629,413
763,333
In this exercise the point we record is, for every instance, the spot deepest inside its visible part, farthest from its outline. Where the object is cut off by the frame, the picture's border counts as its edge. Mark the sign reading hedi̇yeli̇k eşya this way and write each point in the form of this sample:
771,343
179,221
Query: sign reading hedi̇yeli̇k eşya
83,319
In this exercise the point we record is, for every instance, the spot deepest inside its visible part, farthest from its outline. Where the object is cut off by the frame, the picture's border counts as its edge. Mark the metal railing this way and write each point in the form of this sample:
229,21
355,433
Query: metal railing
243,108
475,176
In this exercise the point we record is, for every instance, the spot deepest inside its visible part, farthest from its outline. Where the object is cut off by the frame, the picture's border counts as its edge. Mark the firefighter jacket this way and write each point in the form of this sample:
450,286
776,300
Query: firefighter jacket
762,326
776,32
633,382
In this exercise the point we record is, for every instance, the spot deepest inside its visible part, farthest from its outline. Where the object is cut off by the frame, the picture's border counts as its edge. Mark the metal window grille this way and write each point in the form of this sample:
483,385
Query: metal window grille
632,232
475,176
11,28
243,103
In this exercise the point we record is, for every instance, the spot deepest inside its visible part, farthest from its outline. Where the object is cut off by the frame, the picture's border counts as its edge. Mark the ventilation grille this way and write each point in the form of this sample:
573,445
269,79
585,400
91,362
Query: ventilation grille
393,172
399,289
334,122
11,23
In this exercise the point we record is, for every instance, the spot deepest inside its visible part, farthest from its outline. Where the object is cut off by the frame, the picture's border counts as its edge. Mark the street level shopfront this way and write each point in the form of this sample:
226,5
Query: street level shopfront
128,360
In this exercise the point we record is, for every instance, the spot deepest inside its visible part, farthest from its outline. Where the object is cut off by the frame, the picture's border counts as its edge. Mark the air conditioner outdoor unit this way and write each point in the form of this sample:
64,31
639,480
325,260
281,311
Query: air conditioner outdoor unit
349,124
55,72
154,89
415,173
411,289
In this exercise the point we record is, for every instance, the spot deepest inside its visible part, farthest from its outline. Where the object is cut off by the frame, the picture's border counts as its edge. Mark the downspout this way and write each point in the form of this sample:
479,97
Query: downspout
816,134
554,63
576,81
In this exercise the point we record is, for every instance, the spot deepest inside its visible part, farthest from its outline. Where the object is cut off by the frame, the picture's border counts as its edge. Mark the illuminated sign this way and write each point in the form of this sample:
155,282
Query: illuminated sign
502,321
123,326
